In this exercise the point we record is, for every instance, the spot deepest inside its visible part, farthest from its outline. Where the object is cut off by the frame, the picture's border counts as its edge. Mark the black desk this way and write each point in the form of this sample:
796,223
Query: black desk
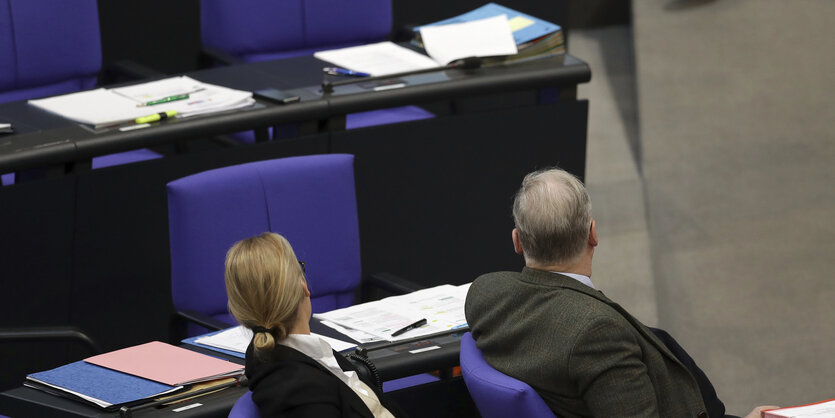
90,248
43,139
392,362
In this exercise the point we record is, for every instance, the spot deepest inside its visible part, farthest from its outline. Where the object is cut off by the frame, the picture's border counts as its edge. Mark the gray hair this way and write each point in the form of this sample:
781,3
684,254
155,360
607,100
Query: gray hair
552,213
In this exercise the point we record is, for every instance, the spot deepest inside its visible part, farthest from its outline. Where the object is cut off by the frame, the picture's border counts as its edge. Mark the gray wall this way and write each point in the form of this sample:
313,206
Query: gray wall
710,164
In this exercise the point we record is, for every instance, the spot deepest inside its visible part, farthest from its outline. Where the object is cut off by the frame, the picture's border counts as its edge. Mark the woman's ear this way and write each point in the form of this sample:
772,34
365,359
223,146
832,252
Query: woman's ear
306,291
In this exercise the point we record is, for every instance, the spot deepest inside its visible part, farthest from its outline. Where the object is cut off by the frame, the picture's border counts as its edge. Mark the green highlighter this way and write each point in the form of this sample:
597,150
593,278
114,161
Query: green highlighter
168,99
156,117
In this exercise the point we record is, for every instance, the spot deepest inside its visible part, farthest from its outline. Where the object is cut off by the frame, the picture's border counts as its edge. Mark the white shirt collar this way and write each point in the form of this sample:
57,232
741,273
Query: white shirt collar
586,280
320,351
312,346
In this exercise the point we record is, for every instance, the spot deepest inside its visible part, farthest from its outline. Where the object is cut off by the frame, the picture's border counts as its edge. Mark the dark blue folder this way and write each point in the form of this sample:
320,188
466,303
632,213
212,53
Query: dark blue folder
99,385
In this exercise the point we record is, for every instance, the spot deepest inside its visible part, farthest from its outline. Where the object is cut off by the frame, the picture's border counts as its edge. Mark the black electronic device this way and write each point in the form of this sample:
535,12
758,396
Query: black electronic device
276,96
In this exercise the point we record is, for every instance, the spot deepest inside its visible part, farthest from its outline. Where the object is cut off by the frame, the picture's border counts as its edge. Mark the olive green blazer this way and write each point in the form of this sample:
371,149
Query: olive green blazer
584,354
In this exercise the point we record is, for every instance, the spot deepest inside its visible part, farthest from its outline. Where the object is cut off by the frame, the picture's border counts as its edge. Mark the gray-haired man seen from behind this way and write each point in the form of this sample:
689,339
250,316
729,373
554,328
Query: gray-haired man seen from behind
547,326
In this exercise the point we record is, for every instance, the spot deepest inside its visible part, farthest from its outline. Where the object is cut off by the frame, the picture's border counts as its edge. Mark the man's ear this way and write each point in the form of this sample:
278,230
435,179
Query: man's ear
593,234
517,245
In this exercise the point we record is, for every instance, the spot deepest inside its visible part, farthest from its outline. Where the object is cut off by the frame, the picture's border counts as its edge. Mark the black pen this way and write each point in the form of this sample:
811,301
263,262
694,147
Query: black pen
410,327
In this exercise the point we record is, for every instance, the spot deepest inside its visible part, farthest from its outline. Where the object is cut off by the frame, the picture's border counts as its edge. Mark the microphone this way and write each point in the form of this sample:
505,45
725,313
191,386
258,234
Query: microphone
469,63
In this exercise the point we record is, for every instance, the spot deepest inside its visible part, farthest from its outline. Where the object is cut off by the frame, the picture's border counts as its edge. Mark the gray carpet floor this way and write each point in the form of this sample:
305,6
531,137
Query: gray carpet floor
711,167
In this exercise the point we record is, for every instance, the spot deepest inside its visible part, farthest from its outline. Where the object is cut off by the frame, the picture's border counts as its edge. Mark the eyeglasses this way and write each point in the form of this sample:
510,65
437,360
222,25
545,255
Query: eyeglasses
301,264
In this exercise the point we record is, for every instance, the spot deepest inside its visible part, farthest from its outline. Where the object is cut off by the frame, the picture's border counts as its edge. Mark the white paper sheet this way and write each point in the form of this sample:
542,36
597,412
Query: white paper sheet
479,38
237,339
382,58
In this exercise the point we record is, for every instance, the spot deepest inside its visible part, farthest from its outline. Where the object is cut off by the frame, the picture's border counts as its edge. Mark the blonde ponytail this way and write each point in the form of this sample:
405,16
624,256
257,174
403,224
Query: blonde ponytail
264,283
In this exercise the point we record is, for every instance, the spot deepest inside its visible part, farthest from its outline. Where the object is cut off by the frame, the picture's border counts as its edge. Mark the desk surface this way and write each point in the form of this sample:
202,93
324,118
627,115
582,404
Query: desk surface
401,360
43,139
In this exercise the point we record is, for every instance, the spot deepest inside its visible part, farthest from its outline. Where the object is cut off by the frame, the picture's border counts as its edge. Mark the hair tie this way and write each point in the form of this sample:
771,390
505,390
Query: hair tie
259,329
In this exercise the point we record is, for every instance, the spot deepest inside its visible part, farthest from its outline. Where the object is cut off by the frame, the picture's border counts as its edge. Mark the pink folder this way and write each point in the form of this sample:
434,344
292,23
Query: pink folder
166,363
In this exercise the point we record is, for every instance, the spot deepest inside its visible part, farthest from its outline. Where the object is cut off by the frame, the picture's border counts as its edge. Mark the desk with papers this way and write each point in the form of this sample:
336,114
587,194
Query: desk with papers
416,182
142,371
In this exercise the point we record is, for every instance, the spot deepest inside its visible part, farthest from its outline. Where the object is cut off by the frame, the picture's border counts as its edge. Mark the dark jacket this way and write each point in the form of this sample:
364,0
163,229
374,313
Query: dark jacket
287,383
584,354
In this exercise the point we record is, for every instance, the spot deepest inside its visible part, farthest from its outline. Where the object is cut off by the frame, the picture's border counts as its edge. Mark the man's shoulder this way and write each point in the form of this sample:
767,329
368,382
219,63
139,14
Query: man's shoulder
492,281
498,275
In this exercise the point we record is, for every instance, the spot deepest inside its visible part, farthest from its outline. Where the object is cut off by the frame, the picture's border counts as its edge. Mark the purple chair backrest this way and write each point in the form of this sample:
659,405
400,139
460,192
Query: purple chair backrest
48,47
496,394
271,29
244,407
309,200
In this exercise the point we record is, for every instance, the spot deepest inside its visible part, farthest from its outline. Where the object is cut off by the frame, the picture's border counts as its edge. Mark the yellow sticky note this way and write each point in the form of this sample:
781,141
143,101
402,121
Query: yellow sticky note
519,22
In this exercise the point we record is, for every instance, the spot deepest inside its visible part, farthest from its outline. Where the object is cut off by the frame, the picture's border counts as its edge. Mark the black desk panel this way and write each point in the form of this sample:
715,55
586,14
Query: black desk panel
27,402
446,398
435,199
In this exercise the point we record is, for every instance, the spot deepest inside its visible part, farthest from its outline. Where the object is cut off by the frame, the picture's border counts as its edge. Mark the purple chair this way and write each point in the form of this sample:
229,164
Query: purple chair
244,407
310,200
48,48
497,395
260,30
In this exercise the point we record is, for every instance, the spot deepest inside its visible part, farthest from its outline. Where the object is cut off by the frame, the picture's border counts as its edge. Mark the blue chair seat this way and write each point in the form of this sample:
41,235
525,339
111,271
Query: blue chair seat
244,407
497,395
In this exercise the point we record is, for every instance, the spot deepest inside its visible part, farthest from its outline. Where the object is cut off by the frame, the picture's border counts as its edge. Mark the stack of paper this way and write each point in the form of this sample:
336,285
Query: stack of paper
111,107
132,374
532,36
235,340
441,306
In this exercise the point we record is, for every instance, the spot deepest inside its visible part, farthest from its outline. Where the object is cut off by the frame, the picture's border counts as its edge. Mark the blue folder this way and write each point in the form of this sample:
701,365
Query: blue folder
107,386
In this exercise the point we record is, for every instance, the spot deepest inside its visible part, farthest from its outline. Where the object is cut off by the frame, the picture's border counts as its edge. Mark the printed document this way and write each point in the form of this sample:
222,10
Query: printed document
441,306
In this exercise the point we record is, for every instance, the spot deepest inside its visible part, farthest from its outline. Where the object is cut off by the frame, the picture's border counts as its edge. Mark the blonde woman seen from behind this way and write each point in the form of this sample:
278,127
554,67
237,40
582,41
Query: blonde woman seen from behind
291,373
